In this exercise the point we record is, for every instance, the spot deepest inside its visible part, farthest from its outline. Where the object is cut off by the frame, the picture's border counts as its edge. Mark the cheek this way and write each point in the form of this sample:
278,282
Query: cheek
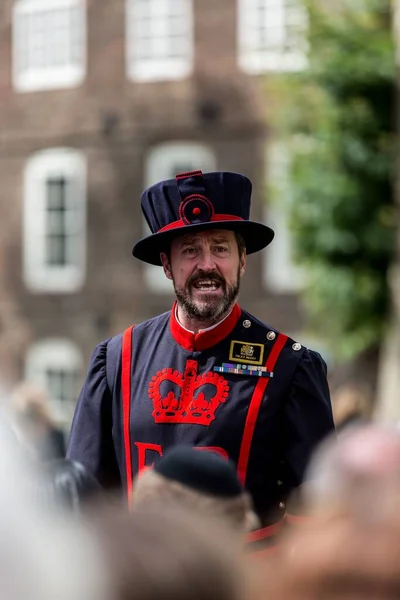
230,273
181,274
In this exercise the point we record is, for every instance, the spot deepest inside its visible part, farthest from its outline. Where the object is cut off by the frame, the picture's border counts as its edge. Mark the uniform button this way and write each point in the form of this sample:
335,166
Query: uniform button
279,482
271,335
246,323
281,505
296,346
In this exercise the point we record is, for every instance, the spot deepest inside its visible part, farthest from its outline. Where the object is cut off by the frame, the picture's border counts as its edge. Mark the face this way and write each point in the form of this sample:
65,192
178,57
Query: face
205,268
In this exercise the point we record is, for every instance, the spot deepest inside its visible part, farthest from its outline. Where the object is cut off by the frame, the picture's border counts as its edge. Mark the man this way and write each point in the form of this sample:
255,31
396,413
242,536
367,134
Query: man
207,373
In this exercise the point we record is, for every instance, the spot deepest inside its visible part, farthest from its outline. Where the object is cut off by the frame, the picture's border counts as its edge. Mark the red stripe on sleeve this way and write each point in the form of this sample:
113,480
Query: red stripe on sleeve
126,406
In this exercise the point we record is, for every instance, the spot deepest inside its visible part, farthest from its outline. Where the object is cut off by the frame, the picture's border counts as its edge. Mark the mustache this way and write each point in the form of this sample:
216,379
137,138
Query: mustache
199,275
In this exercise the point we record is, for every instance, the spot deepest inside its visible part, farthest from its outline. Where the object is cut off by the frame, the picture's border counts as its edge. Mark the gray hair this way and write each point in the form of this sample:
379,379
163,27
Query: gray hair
151,488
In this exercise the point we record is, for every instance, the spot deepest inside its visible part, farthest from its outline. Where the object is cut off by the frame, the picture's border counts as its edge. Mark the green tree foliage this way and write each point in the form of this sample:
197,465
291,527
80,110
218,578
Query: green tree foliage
338,117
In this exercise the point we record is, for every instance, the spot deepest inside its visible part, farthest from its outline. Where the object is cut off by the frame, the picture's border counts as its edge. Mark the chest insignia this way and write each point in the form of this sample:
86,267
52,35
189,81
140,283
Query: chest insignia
187,398
238,369
246,353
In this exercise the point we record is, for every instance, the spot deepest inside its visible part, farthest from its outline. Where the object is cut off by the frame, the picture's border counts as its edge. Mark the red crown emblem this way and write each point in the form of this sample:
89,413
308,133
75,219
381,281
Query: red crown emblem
193,406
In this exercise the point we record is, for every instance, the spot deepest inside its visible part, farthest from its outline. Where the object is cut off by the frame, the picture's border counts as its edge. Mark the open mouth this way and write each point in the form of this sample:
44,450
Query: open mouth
207,285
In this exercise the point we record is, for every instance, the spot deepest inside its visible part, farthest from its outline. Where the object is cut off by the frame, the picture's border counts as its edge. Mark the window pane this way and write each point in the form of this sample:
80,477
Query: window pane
56,250
61,219
62,384
56,193
49,43
55,222
272,34
160,31
56,365
54,212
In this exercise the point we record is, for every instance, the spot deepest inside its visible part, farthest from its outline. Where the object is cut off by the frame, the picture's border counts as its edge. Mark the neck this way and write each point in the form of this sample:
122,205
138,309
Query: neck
194,324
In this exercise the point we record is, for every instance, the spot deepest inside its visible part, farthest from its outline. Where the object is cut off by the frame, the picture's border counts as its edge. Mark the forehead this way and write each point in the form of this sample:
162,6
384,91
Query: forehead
211,235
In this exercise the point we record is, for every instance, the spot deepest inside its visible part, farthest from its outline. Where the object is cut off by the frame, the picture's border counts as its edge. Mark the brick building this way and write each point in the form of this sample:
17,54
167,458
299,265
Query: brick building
99,99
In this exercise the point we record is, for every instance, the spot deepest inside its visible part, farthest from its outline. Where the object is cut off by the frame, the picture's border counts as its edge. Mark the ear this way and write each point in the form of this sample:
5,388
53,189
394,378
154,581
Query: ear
166,265
243,260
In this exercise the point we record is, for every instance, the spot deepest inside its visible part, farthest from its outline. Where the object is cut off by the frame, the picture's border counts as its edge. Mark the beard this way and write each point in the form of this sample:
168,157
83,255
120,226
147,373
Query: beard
209,309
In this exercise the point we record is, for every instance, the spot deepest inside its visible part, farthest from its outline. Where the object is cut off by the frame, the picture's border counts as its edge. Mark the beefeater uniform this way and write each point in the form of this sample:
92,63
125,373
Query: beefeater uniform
240,388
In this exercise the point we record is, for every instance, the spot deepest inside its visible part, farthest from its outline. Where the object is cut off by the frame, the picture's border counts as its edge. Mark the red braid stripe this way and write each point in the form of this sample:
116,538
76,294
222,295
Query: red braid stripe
126,406
254,408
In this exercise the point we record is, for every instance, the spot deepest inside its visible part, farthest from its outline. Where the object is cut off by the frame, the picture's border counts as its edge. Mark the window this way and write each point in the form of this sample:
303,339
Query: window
272,35
54,216
280,273
57,366
159,39
164,162
49,44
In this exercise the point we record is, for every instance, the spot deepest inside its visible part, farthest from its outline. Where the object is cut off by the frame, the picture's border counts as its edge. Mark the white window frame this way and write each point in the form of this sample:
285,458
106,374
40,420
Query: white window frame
50,77
163,67
39,276
161,163
60,355
255,57
280,274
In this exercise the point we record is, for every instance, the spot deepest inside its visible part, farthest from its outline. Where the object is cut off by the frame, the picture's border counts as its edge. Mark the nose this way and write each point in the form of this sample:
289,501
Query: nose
206,260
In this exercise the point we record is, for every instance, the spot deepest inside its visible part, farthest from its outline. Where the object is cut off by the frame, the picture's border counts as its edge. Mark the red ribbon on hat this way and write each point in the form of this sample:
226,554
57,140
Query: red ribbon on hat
181,223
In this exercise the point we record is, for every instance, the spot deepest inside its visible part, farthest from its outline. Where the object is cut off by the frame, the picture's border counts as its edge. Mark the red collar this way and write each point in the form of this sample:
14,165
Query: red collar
204,339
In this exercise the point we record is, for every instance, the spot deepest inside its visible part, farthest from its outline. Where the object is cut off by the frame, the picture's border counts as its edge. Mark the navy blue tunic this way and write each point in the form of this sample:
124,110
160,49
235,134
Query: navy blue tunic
182,394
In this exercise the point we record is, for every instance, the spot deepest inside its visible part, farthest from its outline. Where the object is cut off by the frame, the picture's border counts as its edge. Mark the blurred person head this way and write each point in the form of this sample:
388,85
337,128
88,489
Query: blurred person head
349,546
34,423
201,234
30,404
198,480
335,557
168,555
358,473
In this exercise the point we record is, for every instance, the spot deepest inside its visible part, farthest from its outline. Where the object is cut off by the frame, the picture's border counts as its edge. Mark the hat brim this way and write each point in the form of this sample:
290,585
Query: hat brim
256,236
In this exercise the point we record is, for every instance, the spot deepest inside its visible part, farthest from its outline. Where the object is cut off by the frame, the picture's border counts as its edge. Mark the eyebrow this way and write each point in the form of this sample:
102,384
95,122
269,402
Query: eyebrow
215,240
221,240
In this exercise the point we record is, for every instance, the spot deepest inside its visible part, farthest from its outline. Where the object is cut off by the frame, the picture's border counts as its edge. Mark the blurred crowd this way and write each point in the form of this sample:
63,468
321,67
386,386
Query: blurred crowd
191,531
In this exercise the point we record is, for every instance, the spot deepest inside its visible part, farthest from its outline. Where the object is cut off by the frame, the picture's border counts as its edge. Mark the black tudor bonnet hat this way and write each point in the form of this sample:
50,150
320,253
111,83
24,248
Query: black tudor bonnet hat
201,470
196,201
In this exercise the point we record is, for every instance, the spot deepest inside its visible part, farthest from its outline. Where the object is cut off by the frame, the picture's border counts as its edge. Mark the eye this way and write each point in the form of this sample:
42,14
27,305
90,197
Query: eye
189,250
221,249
